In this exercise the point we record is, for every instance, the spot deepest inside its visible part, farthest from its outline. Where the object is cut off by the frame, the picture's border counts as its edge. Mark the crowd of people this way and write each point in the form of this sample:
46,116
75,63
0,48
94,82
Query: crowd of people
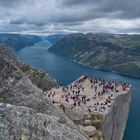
94,94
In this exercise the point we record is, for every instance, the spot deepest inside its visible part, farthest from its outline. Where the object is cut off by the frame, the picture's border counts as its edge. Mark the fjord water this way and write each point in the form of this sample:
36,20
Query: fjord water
65,71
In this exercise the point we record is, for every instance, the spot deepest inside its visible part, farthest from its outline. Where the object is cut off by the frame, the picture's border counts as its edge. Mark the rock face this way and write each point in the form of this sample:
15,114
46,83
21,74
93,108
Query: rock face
90,130
40,78
115,121
25,113
107,112
22,123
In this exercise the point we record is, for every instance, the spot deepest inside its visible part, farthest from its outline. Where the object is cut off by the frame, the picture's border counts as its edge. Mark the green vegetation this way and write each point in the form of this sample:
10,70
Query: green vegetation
118,53
32,72
18,41
97,120
100,135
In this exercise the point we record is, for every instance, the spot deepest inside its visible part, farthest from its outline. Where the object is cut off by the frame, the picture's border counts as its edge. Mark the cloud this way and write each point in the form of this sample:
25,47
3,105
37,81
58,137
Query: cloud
56,16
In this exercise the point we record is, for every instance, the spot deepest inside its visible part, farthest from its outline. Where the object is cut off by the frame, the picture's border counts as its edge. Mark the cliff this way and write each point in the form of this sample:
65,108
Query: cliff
38,77
118,53
104,114
114,122
25,113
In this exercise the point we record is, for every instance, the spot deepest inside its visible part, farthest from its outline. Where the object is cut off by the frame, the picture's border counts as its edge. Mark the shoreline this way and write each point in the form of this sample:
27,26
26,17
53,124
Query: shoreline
126,75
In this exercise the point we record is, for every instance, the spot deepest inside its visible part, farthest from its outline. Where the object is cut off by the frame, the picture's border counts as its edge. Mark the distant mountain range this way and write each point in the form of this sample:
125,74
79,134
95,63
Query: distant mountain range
113,52
54,38
18,41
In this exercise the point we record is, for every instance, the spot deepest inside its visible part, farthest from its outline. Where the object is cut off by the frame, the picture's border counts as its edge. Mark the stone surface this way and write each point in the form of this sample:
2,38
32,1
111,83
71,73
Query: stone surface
40,78
115,121
88,122
22,123
90,130
115,104
25,113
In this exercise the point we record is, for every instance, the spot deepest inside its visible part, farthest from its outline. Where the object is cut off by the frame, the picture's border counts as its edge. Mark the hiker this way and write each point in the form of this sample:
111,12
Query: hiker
67,100
74,103
95,88
84,101
64,109
79,102
89,110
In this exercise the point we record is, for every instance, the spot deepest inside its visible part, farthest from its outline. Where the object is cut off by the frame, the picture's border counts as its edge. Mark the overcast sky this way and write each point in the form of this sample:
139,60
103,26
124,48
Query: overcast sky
69,16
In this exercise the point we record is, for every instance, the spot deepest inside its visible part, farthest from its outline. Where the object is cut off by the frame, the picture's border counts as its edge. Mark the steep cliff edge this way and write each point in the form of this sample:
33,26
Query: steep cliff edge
40,78
104,113
25,113
115,121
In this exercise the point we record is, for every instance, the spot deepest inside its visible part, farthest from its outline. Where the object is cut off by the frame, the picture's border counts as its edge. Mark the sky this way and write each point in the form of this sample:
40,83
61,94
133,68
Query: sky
69,16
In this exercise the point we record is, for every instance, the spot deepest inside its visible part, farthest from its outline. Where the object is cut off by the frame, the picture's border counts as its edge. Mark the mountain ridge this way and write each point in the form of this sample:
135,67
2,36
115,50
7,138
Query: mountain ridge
117,53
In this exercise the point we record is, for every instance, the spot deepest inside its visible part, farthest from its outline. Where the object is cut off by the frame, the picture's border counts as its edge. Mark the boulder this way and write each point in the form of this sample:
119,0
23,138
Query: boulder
90,130
88,122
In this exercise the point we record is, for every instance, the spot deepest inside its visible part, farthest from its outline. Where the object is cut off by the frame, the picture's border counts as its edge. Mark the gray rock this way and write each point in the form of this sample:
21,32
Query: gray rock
22,123
90,130
88,122
25,113
114,122
40,78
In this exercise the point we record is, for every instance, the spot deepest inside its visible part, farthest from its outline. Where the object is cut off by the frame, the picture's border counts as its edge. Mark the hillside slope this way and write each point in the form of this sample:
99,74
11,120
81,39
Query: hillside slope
25,113
18,41
118,53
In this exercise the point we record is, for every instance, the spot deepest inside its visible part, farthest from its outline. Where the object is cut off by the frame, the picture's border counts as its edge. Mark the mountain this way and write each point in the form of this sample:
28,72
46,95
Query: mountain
25,112
18,41
113,52
54,38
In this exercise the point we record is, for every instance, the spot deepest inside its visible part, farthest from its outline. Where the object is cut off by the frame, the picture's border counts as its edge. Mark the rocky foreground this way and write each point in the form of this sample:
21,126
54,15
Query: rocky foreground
25,113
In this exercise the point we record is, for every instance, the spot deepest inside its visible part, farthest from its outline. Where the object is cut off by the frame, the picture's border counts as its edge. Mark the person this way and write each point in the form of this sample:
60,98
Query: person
84,101
94,97
67,100
74,103
64,109
95,88
62,96
79,102
89,110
